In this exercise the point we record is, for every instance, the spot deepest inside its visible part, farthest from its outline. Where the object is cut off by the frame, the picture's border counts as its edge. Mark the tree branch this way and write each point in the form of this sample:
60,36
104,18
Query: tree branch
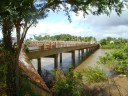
47,5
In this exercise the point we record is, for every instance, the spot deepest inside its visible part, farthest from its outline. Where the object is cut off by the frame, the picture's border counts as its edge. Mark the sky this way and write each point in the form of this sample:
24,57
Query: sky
99,27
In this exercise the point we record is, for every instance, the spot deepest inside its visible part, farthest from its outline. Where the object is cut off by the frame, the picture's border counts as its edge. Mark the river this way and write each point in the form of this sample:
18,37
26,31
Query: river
91,61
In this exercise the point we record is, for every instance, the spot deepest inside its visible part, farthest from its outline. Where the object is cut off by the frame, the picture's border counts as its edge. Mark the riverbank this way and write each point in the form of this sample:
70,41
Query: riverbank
116,86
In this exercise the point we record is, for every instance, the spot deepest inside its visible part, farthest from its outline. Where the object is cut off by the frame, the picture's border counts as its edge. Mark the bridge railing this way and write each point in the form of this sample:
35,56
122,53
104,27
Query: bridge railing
55,44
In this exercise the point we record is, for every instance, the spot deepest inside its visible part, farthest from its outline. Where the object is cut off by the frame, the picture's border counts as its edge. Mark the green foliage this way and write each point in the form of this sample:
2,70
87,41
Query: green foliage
122,67
7,60
26,49
26,89
3,68
68,86
113,43
3,64
23,14
117,59
65,37
93,75
106,60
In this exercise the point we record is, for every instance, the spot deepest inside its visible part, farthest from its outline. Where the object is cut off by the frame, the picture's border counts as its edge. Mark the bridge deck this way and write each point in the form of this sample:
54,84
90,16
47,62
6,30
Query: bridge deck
51,48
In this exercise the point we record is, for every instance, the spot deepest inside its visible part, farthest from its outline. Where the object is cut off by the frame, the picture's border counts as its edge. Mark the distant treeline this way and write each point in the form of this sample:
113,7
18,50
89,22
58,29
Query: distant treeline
63,37
111,43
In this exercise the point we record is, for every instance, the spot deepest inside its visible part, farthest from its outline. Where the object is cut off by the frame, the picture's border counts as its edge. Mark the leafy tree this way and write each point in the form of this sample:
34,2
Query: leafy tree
116,42
65,37
103,42
22,14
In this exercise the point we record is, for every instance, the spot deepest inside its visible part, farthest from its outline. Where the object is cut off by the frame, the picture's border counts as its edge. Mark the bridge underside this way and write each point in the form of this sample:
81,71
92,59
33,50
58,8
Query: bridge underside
49,52
55,52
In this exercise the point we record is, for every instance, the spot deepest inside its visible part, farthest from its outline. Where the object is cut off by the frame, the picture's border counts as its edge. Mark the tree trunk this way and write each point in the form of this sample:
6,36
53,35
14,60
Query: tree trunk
6,30
10,60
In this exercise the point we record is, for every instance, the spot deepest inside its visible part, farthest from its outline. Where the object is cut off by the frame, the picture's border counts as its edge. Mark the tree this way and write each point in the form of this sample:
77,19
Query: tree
103,41
22,14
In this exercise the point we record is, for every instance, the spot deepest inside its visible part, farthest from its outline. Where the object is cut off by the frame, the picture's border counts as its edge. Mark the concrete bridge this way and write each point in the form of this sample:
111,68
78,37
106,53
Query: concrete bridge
38,49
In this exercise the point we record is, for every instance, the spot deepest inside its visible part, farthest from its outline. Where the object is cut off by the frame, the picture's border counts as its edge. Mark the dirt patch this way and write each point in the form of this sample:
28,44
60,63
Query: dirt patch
116,86
3,91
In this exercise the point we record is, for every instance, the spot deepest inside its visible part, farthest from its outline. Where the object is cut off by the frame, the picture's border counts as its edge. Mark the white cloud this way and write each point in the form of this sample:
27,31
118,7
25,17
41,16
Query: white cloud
77,17
47,28
108,21
97,26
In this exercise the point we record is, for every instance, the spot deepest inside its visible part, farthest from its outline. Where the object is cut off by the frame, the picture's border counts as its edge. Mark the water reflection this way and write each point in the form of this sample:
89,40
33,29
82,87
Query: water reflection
48,63
81,63
91,61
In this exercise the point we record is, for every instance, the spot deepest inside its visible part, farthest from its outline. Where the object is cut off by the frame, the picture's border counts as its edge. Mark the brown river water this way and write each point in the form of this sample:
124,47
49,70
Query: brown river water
91,61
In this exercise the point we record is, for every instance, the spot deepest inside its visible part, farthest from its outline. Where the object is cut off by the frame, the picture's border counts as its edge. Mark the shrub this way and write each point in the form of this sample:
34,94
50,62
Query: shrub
118,59
122,67
69,85
93,75
26,89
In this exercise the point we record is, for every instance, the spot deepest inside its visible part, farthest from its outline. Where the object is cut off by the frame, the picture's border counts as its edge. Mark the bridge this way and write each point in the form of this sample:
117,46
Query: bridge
53,49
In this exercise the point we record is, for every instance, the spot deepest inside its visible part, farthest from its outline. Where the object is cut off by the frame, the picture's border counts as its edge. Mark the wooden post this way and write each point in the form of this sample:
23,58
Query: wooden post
60,57
39,66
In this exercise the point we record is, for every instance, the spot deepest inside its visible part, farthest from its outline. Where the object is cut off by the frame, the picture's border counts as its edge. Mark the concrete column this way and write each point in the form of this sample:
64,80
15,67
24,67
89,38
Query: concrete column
79,53
60,57
90,49
73,57
39,66
87,51
79,56
56,61
82,50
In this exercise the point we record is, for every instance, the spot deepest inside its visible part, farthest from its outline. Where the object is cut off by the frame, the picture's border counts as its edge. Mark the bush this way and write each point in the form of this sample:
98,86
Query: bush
93,75
26,89
122,67
118,59
69,85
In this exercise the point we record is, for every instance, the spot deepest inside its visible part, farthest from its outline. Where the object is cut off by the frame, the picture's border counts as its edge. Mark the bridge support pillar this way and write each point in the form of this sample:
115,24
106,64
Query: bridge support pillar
79,53
60,57
39,66
87,51
90,49
56,61
82,51
73,58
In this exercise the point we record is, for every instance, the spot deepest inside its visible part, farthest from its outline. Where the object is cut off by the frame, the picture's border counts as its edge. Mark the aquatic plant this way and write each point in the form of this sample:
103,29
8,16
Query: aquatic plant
117,59
92,75
70,85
